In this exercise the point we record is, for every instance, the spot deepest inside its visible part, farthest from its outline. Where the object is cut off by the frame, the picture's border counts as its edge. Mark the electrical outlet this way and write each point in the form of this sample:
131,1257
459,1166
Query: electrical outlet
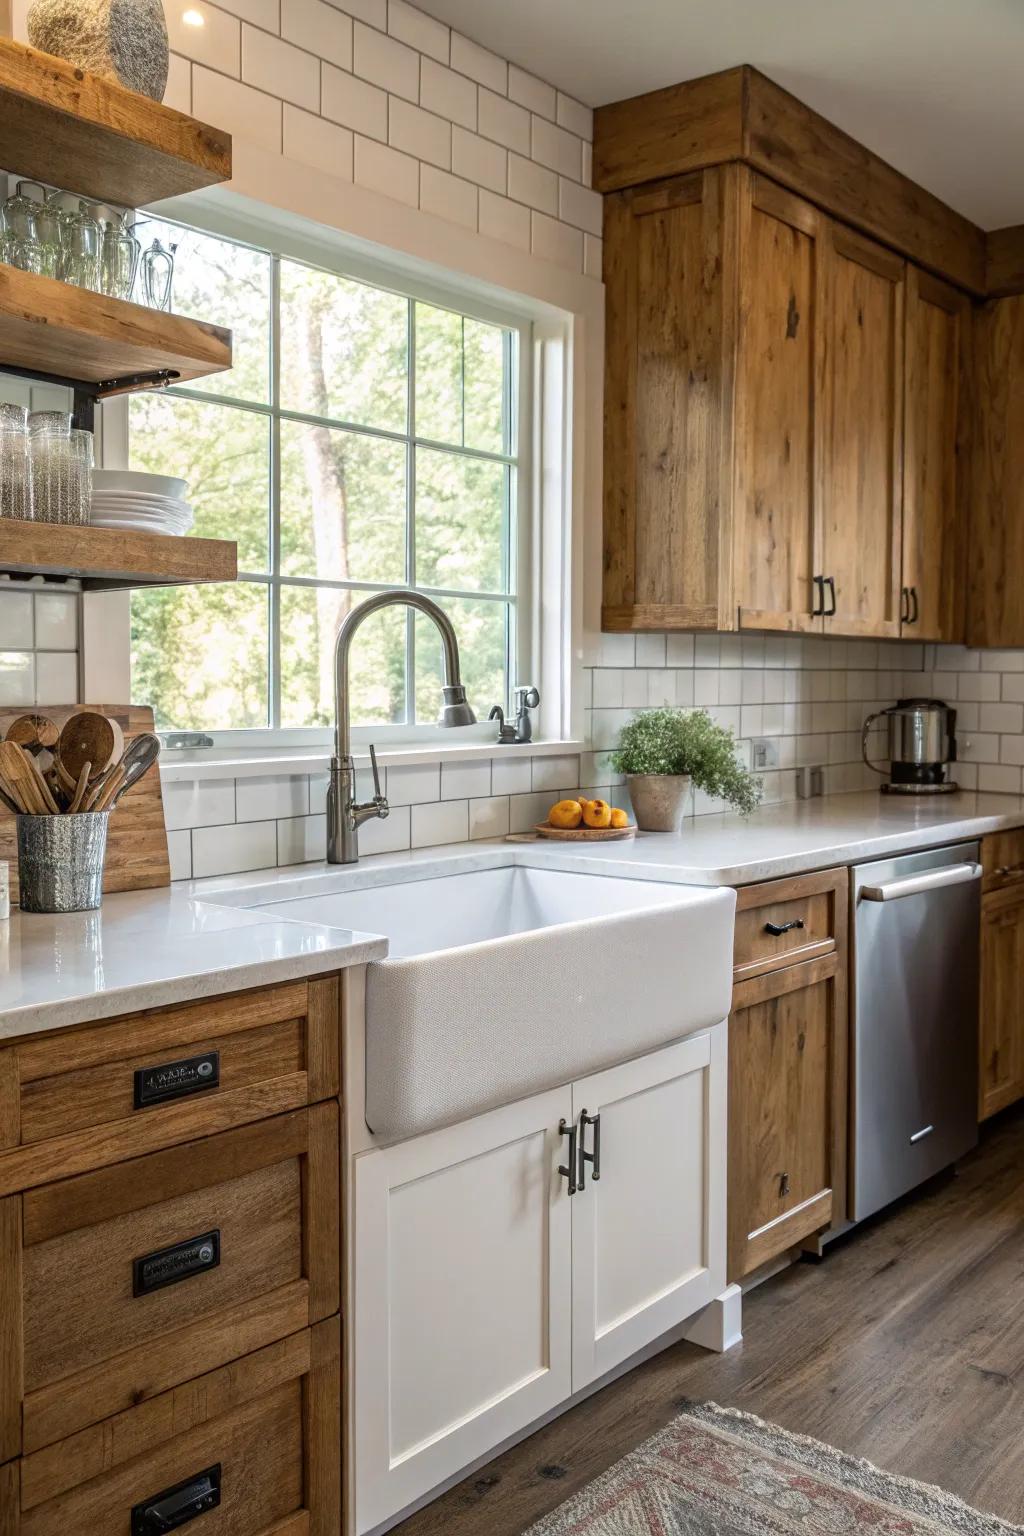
810,782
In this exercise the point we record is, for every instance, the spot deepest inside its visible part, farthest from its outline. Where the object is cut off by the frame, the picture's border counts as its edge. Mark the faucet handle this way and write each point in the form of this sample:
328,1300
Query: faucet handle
376,773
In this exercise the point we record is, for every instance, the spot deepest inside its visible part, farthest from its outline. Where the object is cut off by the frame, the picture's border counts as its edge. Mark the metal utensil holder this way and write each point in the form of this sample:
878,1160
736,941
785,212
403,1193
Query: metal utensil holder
60,861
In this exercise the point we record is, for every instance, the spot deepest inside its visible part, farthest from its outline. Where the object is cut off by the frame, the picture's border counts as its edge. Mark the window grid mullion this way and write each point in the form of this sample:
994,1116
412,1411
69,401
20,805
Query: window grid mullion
275,492
410,517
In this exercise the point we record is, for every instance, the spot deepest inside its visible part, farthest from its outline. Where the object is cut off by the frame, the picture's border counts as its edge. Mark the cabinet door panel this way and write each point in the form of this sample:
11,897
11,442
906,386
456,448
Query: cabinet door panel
648,1236
779,381
864,454
932,542
664,411
787,1110
462,1295
996,609
1001,1026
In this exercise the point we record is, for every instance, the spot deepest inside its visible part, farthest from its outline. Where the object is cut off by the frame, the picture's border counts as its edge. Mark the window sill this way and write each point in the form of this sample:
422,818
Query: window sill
176,766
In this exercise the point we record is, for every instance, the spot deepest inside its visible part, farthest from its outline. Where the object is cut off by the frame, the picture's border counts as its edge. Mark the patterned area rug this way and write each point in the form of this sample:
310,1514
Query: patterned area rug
717,1472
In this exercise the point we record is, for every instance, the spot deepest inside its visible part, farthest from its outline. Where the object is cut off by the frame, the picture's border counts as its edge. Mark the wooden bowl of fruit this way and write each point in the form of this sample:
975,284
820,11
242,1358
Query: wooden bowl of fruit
586,821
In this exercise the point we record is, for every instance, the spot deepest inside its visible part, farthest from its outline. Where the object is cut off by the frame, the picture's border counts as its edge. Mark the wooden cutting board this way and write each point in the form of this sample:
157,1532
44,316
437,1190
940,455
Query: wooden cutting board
137,857
584,834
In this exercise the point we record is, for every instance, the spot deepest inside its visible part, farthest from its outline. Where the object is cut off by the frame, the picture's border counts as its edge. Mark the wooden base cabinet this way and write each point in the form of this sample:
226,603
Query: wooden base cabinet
788,1067
1001,1003
759,472
486,1293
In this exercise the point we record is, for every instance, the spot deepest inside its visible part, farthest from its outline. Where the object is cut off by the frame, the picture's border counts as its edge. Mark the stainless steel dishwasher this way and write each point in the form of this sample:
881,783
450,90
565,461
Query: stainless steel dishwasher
916,925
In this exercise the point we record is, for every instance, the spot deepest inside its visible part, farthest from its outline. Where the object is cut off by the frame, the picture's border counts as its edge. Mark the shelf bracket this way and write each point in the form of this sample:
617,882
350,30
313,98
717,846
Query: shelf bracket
87,392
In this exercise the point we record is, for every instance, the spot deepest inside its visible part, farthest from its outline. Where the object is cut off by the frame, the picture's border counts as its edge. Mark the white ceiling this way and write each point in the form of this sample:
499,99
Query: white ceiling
934,86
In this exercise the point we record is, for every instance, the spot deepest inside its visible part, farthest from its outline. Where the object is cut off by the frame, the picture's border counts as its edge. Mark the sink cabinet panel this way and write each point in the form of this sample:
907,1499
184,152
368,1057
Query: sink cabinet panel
1001,1014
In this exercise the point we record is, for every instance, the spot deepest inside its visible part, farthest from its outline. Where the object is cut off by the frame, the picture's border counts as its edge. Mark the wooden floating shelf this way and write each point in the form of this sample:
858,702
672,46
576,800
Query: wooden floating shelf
61,125
108,559
53,328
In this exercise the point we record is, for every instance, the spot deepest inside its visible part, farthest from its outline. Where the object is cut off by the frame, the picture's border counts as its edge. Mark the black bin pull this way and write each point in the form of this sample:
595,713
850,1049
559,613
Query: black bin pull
172,1507
778,929
585,1156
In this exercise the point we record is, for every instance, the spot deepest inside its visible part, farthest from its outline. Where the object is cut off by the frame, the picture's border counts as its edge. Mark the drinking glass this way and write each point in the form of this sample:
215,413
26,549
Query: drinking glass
81,246
15,464
21,247
62,475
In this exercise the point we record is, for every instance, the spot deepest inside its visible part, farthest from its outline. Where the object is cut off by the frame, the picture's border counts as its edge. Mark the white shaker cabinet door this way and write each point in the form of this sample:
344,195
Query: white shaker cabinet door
648,1233
462,1331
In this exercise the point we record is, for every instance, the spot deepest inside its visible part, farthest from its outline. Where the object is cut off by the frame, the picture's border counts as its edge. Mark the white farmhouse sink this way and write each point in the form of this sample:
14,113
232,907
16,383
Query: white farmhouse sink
504,982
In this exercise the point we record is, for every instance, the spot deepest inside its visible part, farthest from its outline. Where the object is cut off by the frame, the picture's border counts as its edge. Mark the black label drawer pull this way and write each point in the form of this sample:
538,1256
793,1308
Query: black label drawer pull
778,929
176,1079
176,1506
167,1266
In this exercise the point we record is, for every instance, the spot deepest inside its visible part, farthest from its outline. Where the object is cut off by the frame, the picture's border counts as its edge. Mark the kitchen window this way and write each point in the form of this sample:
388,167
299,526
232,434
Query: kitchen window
365,438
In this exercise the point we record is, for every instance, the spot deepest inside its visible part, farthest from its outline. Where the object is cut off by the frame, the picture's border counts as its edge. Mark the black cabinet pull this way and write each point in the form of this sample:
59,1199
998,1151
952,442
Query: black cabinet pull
904,605
585,1156
830,582
913,598
568,1170
778,929
178,1505
176,1079
169,1266
818,583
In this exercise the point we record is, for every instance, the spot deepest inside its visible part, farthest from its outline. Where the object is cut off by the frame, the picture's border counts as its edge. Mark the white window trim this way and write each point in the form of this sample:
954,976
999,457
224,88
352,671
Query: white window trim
566,314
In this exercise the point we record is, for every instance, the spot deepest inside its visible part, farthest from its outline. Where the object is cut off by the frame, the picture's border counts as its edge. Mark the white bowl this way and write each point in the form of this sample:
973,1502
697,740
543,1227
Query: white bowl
137,480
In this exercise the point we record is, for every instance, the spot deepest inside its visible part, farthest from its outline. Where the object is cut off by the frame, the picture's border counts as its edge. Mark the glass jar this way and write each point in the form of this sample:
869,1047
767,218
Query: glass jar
62,462
81,248
119,260
20,243
15,463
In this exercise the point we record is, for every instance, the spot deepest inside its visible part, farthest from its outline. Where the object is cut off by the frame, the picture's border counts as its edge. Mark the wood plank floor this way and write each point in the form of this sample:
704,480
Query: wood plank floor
905,1345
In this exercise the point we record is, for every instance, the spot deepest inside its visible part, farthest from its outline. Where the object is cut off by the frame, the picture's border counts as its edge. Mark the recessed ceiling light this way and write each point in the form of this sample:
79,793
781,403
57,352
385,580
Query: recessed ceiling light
194,19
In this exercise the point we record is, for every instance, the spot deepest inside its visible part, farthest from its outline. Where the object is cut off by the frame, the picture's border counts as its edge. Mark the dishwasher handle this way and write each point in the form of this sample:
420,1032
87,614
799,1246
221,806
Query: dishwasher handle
918,885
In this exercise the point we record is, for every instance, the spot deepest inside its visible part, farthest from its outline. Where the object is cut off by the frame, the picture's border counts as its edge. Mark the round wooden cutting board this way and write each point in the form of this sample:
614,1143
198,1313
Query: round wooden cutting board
585,834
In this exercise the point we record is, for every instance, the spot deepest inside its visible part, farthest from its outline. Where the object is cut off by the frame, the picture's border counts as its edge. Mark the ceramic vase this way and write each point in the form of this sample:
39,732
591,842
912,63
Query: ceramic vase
659,800
122,40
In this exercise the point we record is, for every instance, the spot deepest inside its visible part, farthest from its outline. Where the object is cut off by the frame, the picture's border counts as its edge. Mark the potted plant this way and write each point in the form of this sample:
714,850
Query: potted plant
663,751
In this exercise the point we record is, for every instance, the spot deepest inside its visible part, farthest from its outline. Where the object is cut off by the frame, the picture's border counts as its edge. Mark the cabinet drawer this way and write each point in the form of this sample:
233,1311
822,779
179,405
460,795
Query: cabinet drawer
87,1097
1002,860
788,921
259,1441
137,1277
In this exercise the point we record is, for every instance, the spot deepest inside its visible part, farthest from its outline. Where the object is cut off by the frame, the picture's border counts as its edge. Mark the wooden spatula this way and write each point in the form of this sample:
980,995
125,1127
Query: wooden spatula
33,732
16,771
87,737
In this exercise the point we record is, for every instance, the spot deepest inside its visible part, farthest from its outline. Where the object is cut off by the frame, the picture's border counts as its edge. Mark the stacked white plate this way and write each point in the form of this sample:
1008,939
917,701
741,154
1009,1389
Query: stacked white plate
139,503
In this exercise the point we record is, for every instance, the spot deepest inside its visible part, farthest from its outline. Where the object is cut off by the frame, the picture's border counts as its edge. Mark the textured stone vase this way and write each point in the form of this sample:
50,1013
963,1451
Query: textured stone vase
659,800
122,40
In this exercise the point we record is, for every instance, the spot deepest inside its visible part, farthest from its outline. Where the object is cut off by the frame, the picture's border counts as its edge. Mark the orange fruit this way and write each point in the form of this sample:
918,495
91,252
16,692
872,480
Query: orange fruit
582,802
567,814
619,818
597,813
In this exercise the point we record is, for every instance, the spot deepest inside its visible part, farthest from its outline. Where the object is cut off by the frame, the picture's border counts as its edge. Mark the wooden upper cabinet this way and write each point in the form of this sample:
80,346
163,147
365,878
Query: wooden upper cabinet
862,490
937,321
779,378
996,598
665,406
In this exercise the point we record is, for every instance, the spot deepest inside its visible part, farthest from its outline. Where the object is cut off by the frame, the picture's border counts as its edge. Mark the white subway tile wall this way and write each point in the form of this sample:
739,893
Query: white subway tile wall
804,701
38,647
298,76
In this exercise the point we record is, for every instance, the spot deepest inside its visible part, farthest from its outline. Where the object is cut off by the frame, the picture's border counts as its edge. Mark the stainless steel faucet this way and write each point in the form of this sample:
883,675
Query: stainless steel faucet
345,815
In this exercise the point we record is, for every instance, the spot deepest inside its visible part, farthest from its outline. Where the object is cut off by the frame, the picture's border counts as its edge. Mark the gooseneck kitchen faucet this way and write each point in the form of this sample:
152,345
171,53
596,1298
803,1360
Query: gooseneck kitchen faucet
345,815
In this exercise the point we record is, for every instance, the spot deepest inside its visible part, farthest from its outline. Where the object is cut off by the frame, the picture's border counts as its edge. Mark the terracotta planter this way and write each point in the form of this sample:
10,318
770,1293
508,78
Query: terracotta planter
659,800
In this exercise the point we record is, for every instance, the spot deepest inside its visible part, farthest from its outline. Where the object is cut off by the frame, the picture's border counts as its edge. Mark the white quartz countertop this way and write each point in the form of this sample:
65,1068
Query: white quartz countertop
206,937
148,949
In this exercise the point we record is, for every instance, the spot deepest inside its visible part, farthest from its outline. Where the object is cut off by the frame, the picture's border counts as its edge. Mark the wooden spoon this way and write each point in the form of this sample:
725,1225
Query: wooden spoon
86,738
45,792
33,732
16,770
82,786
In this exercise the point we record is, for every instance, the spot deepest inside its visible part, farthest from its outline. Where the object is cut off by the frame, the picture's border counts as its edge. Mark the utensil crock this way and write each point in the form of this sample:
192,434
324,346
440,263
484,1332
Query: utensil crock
60,861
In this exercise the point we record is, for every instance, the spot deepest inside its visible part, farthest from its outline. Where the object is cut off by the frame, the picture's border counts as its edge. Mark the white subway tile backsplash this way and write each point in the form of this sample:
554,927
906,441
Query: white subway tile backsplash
449,197
504,220
16,628
414,784
217,43
178,94
501,120
57,677
1005,718
319,28
580,207
262,13
387,171
324,145
264,798
489,818
241,109
56,621
479,64
511,775
355,103
301,839
532,93
419,133
179,852
388,835
650,650
478,160
445,821
447,93
235,849
575,116
385,62
278,67
464,781
526,811
373,12
556,773
978,685
198,803
532,184
554,147
419,30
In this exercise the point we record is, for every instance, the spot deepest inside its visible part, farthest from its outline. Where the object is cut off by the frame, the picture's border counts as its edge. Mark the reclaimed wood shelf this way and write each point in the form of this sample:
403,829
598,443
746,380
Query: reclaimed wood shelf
109,559
48,327
69,128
